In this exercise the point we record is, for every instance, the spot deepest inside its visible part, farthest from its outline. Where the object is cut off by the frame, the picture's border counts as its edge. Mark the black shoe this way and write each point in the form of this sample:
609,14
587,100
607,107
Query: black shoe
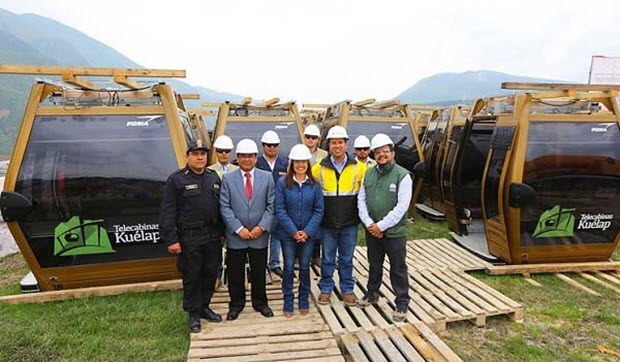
232,315
210,315
277,271
266,312
194,323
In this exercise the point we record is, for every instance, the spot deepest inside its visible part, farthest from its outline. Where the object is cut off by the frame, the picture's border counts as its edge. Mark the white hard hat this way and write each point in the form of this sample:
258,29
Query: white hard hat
312,130
337,132
300,152
223,142
361,142
270,137
246,145
381,139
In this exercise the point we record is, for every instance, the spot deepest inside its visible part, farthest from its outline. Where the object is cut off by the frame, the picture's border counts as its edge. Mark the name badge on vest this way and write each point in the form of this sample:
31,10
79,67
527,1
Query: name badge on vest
191,187
392,187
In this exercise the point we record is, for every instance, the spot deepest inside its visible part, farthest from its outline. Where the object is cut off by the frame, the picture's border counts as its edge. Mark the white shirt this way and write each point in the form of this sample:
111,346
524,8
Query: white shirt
223,168
244,181
251,177
397,213
271,164
300,183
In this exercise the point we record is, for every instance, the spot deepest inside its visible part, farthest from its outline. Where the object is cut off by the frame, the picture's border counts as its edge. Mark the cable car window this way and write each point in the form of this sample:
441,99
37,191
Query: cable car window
287,131
453,144
501,141
472,163
99,183
575,170
399,132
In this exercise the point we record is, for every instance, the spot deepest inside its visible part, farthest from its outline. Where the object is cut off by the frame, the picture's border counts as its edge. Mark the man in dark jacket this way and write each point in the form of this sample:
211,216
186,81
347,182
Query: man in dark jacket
191,226
271,162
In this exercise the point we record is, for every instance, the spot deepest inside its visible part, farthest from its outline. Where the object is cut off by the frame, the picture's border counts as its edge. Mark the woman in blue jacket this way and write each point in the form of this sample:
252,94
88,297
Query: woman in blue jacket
299,210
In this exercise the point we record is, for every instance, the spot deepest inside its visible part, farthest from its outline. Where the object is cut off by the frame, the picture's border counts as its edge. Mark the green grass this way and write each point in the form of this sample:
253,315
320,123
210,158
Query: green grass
561,322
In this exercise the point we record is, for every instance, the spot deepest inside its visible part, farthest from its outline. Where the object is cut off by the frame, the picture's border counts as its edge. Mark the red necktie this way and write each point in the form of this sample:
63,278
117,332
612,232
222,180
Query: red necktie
248,185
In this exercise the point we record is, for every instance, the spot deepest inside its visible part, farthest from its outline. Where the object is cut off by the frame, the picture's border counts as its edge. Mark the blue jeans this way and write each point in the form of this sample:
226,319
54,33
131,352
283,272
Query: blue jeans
290,249
274,252
341,242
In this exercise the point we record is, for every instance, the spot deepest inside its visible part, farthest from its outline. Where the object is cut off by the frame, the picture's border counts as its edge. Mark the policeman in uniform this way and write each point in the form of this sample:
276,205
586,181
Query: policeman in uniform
191,226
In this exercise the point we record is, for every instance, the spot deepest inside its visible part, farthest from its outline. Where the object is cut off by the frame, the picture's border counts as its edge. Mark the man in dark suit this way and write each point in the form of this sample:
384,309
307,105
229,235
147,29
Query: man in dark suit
247,207
270,161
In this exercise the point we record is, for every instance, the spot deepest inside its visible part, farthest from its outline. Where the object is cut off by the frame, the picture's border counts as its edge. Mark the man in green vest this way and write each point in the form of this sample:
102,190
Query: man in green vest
383,201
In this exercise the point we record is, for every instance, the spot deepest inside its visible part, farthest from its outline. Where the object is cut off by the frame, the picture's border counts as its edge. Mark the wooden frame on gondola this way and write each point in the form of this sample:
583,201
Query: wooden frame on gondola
132,99
282,115
536,197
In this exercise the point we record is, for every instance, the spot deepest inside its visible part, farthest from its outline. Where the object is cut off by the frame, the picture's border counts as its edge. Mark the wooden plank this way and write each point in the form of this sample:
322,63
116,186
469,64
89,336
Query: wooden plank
281,356
57,295
269,102
599,282
576,284
352,347
528,278
365,102
79,82
190,96
368,344
396,335
459,252
439,345
559,86
387,346
59,70
609,277
126,82
326,311
385,104
459,286
261,349
553,268
237,341
425,349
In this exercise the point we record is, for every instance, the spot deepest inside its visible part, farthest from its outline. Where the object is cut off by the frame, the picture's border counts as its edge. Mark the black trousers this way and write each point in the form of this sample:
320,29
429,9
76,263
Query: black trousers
236,277
396,250
198,266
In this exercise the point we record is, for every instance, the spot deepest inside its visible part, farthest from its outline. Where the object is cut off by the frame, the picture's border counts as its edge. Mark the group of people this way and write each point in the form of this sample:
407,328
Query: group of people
269,206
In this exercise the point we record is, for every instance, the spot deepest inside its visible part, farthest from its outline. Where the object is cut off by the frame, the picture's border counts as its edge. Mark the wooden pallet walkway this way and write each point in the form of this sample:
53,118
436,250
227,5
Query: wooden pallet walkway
412,342
253,337
426,254
444,294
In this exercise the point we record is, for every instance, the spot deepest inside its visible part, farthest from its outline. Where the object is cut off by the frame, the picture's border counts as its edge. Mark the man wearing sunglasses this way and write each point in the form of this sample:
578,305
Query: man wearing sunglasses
312,138
271,162
223,149
361,147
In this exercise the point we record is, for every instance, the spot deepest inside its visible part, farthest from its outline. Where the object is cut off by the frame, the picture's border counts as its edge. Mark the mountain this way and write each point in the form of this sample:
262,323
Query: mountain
36,40
451,88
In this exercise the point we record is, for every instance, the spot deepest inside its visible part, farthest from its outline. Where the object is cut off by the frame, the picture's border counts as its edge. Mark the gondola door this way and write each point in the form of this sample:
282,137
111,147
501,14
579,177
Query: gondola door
492,193
449,185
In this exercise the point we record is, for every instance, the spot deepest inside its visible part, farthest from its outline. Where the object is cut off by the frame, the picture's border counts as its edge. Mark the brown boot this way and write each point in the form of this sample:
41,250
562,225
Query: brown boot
324,298
349,299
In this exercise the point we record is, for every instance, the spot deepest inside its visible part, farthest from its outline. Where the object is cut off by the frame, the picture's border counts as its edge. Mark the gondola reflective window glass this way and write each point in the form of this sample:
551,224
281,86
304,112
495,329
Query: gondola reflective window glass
501,141
574,167
400,133
287,131
95,183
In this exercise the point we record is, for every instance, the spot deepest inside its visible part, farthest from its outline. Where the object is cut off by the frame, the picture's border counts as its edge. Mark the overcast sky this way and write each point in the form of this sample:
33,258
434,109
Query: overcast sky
327,51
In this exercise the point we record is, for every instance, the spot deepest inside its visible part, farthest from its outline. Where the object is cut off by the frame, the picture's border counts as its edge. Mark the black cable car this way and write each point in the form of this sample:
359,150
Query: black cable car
82,192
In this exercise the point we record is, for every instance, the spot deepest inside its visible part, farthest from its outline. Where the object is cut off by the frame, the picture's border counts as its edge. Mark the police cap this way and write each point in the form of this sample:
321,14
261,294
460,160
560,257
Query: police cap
197,145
